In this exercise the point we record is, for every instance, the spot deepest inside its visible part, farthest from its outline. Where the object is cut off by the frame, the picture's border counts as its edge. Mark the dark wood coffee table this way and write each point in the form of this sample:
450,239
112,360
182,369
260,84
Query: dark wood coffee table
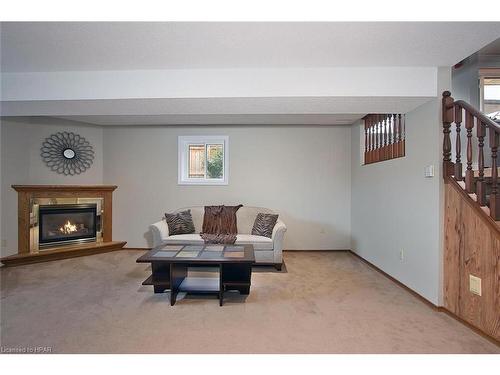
170,269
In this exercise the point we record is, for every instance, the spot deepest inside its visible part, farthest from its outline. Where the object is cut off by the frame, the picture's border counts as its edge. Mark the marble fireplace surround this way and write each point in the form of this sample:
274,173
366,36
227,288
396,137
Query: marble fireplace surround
31,196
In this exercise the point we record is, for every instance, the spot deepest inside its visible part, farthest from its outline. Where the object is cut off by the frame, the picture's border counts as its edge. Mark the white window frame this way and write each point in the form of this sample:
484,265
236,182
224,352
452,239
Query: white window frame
183,159
485,73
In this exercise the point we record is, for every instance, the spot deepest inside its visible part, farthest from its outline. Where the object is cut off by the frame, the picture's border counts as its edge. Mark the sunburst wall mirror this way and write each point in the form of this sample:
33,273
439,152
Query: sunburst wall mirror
67,153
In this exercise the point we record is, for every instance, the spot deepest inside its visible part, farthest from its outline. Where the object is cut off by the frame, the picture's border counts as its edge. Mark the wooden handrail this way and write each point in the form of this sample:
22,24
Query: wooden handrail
485,119
469,108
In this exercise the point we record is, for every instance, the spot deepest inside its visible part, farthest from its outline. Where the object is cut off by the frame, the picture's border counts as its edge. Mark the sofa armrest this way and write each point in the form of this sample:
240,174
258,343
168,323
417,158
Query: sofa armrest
159,231
277,237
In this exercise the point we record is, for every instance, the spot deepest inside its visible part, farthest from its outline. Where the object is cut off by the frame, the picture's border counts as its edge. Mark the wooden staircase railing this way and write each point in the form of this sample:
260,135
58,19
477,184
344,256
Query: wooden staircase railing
485,187
384,137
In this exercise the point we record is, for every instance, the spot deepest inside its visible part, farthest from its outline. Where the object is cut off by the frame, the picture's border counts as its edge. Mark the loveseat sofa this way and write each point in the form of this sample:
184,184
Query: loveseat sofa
267,250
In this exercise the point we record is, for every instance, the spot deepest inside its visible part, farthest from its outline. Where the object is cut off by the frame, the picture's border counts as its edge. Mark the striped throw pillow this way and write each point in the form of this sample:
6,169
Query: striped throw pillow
264,224
180,223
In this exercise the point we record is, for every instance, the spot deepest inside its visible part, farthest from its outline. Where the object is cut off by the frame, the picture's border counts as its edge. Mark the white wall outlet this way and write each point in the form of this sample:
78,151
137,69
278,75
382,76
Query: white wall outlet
475,285
429,171
401,255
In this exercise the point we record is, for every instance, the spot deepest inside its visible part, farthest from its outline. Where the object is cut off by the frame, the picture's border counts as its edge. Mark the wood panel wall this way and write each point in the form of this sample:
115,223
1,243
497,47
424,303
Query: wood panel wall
471,246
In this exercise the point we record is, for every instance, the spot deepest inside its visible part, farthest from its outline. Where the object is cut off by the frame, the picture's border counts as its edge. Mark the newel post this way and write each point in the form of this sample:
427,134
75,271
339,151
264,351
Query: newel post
448,114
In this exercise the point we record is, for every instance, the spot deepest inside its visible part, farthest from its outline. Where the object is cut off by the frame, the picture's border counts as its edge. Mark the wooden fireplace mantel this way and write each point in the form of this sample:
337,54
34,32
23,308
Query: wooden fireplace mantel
26,193
63,188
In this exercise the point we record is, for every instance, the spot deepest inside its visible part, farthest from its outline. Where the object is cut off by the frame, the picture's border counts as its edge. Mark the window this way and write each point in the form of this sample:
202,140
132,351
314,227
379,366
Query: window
490,92
203,160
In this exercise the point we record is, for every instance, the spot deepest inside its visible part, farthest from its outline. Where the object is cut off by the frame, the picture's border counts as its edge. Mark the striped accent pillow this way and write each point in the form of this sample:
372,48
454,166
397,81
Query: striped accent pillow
264,224
180,223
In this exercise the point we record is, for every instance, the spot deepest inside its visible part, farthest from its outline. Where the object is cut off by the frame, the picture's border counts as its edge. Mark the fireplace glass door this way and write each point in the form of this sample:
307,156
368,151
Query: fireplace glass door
66,223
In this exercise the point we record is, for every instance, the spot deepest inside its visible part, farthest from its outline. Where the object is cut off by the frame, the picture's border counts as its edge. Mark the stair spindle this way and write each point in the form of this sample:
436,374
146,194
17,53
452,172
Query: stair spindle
398,139
366,142
372,134
379,137
369,131
382,136
391,136
386,138
469,173
458,163
403,135
494,198
480,184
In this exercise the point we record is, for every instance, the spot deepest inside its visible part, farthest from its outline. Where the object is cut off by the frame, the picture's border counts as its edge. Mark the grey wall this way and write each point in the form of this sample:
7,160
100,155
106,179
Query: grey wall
465,86
465,80
21,139
302,172
394,207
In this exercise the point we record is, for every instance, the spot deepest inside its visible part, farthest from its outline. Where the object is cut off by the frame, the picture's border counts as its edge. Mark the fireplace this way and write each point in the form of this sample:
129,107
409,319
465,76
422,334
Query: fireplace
67,223
42,210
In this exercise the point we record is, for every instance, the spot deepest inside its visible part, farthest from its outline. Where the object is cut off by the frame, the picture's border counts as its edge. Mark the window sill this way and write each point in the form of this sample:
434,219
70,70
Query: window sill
204,182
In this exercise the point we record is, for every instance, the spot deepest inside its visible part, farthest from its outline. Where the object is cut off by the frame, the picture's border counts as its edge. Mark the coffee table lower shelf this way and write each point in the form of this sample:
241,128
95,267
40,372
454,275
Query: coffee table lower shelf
149,281
198,285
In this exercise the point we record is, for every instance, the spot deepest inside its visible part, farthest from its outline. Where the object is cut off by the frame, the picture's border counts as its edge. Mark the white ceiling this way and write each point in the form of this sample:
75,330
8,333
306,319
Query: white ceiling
36,47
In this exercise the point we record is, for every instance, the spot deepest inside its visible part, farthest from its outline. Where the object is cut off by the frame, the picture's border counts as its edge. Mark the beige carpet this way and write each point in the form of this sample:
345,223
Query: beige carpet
326,302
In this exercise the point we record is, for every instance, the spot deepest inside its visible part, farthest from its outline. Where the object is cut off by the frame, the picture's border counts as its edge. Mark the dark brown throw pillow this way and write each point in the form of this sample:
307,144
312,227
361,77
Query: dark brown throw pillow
180,223
264,224
220,219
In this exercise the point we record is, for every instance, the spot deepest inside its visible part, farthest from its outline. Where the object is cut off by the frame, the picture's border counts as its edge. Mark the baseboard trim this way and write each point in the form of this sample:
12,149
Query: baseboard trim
137,248
468,325
427,302
314,250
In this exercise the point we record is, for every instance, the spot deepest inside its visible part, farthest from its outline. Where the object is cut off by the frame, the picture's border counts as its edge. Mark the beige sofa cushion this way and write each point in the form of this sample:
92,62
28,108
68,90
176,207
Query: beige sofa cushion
258,242
192,238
